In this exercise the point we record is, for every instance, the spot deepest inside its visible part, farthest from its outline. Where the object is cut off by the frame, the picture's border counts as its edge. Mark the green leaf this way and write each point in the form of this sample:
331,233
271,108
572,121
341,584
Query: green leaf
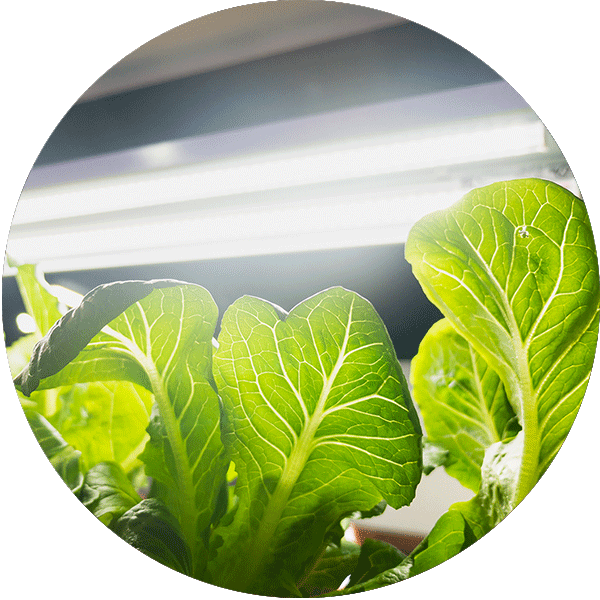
499,486
151,529
62,346
43,306
19,352
377,510
467,522
64,458
158,334
319,423
388,577
513,267
462,401
44,402
375,557
449,536
107,492
369,566
40,302
331,569
106,421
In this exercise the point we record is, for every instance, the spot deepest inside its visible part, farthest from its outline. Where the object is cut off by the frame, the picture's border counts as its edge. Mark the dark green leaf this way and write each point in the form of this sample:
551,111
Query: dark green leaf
393,575
375,558
151,529
449,536
372,512
331,569
107,492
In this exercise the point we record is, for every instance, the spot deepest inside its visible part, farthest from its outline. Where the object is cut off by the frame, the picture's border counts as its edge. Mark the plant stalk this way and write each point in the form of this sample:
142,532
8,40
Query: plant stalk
528,472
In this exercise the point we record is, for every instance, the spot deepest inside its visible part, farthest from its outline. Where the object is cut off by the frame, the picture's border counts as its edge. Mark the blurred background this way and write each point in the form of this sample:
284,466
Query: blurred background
277,149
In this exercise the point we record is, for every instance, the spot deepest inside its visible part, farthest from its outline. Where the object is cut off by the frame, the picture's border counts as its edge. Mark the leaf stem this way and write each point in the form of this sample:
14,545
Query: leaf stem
528,473
279,500
186,503
295,464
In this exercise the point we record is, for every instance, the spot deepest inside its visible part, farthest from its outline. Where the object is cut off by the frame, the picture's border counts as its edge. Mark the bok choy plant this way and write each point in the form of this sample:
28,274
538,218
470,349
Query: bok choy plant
239,460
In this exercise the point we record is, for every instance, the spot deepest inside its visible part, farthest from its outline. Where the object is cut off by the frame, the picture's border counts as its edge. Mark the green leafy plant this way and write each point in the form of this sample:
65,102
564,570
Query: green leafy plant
239,460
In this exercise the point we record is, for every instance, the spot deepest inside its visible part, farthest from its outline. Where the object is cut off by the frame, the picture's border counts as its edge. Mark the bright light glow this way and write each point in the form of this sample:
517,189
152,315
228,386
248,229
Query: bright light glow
332,162
67,297
350,534
98,224
326,224
157,156
25,323
345,582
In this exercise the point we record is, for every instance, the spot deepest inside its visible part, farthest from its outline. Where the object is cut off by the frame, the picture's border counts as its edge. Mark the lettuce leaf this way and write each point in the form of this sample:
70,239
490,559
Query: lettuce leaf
150,528
157,334
107,492
462,401
513,268
63,457
319,424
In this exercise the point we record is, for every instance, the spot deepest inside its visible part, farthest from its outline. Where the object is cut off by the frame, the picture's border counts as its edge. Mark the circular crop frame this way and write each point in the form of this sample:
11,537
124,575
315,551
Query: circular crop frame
300,300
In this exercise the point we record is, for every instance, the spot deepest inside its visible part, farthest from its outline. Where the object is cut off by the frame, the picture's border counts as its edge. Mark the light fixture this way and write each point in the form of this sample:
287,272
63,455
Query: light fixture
276,202
484,140
326,223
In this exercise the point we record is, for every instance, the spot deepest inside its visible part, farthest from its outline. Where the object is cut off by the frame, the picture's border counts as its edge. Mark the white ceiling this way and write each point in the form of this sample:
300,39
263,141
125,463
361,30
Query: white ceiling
235,36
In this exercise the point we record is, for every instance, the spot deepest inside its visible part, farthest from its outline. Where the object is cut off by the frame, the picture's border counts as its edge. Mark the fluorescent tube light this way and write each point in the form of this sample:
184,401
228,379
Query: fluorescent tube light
210,210
316,225
484,141
328,223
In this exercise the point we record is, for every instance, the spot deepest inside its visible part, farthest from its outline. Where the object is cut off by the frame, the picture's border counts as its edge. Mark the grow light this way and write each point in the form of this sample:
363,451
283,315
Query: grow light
245,232
284,169
275,202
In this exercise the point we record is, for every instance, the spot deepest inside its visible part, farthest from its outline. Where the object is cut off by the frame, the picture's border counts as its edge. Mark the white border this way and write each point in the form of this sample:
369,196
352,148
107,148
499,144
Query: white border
52,53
